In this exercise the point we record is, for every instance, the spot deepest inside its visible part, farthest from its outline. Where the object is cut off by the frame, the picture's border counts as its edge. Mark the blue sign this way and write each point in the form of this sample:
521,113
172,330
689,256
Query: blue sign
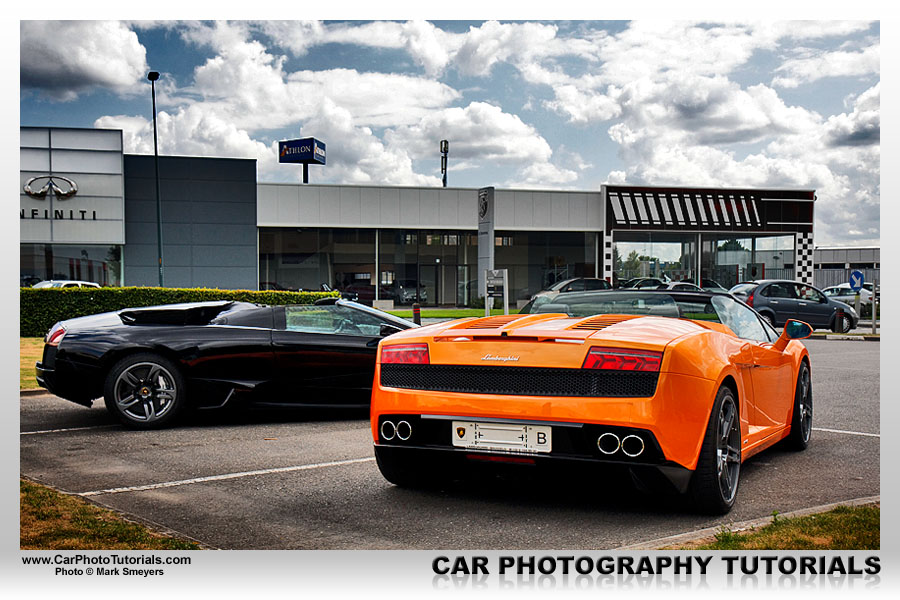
307,150
857,279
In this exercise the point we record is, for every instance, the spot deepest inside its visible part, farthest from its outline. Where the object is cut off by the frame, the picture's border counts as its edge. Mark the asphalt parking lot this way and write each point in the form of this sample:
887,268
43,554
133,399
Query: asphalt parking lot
308,479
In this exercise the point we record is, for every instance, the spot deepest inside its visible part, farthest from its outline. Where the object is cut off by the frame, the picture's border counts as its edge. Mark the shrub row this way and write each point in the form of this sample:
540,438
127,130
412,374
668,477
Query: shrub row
40,308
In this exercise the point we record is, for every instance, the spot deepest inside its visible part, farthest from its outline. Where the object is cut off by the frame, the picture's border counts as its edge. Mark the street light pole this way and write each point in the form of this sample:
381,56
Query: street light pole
153,76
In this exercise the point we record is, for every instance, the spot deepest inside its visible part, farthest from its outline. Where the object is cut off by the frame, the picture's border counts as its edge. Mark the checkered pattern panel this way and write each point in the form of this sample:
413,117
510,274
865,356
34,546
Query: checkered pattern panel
804,257
607,258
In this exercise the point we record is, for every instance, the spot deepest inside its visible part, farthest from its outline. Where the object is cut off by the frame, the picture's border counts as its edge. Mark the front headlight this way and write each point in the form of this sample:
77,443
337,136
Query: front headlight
853,312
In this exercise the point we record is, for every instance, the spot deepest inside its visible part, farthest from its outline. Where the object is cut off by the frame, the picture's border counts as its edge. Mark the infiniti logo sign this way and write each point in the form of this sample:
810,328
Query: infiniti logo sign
500,358
63,187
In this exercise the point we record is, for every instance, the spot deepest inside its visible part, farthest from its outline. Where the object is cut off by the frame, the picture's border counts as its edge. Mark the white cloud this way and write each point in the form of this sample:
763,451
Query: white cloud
65,58
812,65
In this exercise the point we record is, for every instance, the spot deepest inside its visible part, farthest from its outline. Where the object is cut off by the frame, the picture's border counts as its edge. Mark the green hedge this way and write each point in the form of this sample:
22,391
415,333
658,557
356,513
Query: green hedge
40,308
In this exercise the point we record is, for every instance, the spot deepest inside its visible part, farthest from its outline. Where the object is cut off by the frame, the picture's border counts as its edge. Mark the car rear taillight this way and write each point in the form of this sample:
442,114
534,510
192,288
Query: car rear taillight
408,354
750,299
55,335
621,359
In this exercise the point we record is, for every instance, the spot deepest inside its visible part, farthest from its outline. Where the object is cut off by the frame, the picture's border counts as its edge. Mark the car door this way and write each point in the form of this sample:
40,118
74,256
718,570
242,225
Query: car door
770,370
813,306
325,355
781,297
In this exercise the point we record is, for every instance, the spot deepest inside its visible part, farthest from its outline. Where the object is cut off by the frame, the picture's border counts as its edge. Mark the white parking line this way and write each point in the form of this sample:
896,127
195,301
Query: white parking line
68,429
878,435
167,484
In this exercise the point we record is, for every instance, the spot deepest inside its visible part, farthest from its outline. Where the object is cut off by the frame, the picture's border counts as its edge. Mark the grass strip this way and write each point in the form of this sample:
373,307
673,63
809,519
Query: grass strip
31,350
842,528
51,520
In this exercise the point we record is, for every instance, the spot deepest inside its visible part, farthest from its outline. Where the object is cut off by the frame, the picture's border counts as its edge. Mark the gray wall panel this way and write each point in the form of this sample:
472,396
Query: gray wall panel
216,256
38,137
31,159
87,139
209,222
410,207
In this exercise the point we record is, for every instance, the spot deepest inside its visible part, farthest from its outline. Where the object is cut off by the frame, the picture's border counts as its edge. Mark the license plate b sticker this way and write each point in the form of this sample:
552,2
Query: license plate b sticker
501,436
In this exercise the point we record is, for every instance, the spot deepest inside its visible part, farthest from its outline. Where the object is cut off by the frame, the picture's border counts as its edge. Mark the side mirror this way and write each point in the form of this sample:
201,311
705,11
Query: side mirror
793,330
387,330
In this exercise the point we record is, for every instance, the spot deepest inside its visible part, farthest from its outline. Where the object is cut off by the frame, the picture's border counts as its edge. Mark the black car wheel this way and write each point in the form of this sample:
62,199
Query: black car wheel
801,418
144,391
846,324
714,485
768,319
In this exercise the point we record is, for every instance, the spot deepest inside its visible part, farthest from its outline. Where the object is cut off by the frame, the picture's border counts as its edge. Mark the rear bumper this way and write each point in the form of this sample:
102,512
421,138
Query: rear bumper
61,382
675,416
454,462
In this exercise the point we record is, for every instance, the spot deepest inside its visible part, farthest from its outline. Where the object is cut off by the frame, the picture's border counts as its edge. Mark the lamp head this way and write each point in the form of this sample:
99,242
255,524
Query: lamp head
153,75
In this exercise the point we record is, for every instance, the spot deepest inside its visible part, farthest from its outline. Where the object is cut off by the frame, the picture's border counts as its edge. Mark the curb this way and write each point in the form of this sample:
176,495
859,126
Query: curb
29,393
710,532
855,338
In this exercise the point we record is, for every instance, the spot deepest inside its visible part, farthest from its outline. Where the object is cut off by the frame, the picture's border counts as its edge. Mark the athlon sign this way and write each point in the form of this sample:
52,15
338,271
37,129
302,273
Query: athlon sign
306,151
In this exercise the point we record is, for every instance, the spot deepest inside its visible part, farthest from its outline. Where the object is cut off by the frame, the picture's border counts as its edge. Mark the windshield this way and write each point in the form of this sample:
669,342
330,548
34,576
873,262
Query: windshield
584,304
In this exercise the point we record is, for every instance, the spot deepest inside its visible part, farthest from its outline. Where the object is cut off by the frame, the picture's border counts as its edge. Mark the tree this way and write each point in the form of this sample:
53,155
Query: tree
731,245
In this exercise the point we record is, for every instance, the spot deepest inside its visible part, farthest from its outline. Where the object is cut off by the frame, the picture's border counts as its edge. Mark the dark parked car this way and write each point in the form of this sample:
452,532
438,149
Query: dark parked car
149,364
576,284
777,301
642,283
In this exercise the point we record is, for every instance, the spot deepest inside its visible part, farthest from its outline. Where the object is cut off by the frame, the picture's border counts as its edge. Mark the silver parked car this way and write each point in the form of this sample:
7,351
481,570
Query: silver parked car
64,283
844,293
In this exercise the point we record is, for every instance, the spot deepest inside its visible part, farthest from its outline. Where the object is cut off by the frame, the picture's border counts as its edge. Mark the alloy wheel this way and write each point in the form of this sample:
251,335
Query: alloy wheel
728,449
805,405
145,392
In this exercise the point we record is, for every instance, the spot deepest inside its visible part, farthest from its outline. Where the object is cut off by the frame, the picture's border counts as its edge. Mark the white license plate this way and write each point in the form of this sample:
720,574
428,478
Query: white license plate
501,436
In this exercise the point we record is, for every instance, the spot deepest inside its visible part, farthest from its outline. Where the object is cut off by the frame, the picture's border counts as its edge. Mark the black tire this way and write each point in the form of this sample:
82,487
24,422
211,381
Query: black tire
402,470
768,319
842,325
847,324
145,391
801,416
714,485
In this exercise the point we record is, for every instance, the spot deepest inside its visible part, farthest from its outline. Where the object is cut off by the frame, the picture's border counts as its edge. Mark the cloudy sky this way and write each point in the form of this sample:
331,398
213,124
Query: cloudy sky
543,105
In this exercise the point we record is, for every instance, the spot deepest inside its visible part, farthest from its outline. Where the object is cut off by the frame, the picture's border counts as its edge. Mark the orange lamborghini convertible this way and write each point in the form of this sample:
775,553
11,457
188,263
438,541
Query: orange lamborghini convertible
686,385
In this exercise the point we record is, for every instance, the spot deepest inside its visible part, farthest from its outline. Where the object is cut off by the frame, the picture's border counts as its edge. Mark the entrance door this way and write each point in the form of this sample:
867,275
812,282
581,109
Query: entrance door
428,284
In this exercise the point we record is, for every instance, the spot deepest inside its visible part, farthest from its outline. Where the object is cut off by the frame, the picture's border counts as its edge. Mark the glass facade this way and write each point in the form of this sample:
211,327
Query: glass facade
97,263
724,258
433,267
537,259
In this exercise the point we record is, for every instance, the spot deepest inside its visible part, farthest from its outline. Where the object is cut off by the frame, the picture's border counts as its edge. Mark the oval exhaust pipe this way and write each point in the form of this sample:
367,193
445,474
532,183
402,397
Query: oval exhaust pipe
404,430
608,443
633,446
388,431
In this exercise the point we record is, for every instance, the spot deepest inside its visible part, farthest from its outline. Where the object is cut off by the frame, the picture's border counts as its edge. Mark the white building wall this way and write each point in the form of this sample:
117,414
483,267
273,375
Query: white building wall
298,205
93,159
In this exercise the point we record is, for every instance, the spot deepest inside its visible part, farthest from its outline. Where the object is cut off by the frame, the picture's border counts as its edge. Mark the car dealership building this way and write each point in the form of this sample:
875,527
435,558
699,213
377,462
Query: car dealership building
89,212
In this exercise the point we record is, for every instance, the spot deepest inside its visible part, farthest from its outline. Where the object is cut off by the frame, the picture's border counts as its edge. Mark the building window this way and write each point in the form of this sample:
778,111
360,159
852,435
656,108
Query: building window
95,263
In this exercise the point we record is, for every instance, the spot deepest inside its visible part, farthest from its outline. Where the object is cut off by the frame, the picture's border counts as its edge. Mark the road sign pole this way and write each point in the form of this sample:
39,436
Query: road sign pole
874,304
505,292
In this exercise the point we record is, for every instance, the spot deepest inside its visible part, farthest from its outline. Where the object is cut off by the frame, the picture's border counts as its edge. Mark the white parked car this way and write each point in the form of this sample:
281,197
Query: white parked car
844,293
64,283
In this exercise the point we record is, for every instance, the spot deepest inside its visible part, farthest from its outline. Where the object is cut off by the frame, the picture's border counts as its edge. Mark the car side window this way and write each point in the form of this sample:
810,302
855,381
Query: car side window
780,290
740,319
333,319
806,292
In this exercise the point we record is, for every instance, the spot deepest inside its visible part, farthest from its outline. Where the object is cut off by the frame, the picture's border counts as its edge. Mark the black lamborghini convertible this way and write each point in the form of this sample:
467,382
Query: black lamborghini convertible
150,363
